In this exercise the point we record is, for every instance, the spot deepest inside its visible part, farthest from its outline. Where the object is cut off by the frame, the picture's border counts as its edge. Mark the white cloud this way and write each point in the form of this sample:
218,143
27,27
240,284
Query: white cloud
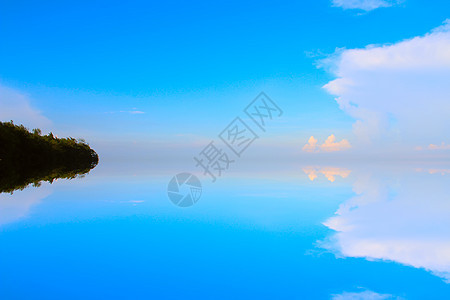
397,92
330,145
364,295
366,5
17,107
311,146
133,112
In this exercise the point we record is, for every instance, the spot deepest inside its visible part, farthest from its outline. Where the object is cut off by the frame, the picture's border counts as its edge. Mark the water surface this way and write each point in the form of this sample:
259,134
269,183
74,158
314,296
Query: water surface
295,231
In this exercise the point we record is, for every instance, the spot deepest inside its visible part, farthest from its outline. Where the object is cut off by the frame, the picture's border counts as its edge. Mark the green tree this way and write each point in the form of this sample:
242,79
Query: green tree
29,157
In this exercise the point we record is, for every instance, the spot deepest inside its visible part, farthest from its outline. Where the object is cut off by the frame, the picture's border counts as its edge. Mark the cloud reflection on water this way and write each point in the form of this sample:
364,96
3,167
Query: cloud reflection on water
329,172
16,206
396,216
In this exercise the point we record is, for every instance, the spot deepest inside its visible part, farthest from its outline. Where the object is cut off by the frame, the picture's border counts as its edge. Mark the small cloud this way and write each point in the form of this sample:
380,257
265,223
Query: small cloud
366,5
330,145
311,146
134,202
133,112
442,146
364,295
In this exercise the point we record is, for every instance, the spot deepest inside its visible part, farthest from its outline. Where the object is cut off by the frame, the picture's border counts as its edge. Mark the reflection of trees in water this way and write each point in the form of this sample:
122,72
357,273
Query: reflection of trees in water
29,157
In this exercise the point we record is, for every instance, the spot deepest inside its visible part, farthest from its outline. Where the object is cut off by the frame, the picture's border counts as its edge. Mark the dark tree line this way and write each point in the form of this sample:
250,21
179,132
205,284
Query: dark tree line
28,157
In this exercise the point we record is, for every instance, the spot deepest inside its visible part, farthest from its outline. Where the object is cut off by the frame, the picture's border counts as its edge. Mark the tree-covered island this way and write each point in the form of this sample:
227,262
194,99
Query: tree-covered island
28,157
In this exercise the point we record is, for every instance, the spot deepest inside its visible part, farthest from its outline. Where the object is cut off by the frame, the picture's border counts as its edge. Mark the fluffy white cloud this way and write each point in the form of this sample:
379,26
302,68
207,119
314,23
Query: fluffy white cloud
16,106
410,226
366,5
311,146
330,145
398,92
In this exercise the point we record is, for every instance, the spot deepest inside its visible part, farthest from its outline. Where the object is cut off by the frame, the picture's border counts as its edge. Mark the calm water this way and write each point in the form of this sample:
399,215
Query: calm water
294,231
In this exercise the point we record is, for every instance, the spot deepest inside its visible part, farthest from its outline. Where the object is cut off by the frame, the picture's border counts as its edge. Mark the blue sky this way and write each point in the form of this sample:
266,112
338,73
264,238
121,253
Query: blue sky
110,71
153,79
